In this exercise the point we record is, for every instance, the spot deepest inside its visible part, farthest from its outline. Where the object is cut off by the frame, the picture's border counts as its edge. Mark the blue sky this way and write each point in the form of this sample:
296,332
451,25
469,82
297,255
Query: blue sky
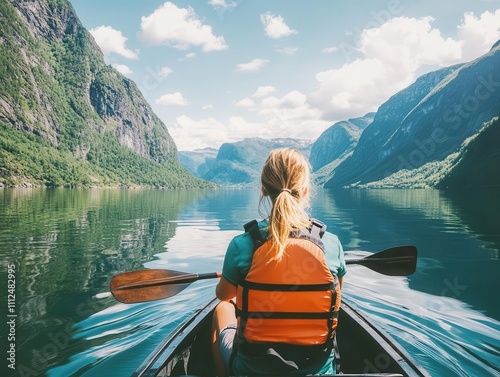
219,71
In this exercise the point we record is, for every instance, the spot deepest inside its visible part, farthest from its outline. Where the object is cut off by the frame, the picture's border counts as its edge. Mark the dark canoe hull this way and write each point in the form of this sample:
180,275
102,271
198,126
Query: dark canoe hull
365,350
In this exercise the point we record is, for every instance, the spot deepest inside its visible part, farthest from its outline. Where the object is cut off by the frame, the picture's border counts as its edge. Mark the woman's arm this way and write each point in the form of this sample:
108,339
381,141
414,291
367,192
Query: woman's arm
225,291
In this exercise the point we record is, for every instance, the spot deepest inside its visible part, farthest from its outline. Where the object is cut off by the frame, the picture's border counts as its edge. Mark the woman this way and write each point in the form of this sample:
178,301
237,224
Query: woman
279,298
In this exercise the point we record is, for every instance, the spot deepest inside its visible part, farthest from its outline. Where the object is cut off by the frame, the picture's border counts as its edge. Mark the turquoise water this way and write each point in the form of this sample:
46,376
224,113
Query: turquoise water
67,244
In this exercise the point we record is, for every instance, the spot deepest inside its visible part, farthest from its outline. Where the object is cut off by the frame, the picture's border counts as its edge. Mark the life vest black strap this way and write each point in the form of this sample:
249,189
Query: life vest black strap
253,228
287,287
287,315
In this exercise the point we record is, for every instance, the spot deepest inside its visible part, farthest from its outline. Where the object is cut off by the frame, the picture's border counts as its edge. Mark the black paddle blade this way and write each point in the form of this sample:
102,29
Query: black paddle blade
149,285
396,261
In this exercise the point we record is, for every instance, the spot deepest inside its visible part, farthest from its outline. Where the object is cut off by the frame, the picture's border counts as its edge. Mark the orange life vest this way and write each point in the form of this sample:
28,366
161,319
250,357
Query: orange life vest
292,301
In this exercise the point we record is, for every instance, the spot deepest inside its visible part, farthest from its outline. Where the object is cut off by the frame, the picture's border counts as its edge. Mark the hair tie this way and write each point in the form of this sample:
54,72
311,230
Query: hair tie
286,190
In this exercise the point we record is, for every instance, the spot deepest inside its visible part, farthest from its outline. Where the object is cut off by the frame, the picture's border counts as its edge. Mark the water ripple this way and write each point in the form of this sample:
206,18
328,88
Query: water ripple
440,329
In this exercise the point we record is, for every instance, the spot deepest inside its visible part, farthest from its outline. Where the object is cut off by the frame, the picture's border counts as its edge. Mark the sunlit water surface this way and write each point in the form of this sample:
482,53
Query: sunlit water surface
67,244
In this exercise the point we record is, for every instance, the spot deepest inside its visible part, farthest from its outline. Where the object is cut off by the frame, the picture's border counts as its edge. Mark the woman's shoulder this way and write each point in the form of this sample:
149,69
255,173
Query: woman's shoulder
330,237
332,243
240,252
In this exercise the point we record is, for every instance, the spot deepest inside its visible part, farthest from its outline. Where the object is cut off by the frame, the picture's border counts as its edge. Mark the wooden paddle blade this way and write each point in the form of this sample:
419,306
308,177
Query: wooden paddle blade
151,293
149,285
396,261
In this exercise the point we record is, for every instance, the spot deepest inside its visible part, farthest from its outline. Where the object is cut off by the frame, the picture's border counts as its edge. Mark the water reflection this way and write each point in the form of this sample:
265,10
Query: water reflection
67,244
124,335
442,333
455,234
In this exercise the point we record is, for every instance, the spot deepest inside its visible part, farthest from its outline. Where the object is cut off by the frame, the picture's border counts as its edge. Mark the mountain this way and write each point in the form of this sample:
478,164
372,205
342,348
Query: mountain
478,163
426,122
339,139
68,119
240,163
199,161
334,145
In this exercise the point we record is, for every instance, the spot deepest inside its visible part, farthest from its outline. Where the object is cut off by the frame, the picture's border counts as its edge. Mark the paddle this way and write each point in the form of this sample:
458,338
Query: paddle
396,261
148,285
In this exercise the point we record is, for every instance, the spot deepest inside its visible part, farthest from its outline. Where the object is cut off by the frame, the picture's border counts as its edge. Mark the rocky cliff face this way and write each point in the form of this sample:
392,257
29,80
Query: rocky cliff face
425,122
56,85
120,104
49,20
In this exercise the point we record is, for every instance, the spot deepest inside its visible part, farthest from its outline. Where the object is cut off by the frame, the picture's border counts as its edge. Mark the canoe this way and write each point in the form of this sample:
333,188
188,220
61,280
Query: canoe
365,349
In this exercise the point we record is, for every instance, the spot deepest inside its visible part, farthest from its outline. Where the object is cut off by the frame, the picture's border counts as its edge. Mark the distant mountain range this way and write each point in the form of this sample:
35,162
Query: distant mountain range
433,133
239,163
200,161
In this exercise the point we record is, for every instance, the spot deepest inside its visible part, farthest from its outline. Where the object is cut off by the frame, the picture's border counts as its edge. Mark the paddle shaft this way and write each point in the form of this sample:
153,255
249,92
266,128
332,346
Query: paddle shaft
154,284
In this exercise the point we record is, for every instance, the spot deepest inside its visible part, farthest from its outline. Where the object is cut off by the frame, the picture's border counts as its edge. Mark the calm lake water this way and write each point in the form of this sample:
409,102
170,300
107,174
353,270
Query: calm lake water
63,247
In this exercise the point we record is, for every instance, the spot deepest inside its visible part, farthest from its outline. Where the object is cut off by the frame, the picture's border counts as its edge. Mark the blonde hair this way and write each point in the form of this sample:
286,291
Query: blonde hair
285,179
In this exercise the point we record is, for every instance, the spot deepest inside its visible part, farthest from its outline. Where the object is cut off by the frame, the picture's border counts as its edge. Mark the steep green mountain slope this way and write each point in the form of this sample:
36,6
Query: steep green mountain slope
68,119
426,122
478,163
475,164
334,145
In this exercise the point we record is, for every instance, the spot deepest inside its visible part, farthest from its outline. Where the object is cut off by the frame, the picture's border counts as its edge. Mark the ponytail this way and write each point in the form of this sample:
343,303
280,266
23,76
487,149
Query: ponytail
285,179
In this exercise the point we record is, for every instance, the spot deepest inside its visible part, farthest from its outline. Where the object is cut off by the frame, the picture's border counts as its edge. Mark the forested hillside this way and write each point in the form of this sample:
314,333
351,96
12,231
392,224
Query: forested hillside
68,119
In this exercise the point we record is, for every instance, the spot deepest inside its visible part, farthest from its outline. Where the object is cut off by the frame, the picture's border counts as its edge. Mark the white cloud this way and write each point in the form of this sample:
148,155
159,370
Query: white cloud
263,91
176,99
275,26
222,4
288,50
291,116
188,56
411,41
287,116
293,105
478,34
112,41
190,134
240,128
179,28
329,50
253,65
123,69
391,54
245,102
165,71
207,107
